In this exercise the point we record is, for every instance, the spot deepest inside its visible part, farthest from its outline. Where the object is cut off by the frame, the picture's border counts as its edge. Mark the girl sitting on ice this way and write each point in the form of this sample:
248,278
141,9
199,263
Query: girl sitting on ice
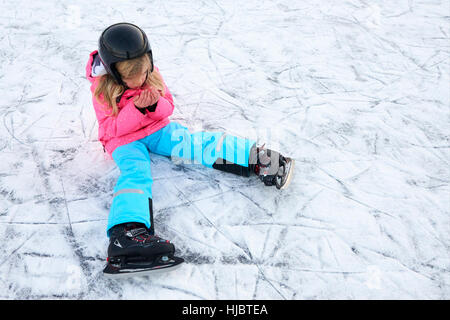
133,104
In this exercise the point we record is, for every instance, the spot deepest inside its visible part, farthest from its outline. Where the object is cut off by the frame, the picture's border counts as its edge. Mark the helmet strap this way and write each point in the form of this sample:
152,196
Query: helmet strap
116,75
150,55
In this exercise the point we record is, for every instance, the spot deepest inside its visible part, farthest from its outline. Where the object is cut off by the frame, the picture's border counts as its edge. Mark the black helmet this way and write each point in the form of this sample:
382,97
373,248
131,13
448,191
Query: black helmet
122,41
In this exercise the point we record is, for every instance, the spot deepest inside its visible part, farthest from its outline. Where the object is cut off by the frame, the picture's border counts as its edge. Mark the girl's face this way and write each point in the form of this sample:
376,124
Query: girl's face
138,80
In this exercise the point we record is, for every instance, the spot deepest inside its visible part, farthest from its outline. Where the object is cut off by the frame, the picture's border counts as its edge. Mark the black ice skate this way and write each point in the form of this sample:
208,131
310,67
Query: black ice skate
272,168
133,250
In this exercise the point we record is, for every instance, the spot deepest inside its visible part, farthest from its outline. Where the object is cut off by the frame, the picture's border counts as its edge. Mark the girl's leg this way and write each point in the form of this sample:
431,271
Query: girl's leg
132,200
212,149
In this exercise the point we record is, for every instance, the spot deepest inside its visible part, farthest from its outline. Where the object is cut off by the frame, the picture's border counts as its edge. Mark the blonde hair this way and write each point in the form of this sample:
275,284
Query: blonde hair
108,91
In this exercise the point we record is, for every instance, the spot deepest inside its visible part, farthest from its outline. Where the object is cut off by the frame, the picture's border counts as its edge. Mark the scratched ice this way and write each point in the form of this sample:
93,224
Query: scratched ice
356,92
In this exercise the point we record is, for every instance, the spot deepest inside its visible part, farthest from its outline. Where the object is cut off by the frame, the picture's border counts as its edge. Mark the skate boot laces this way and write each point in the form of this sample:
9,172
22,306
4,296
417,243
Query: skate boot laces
142,235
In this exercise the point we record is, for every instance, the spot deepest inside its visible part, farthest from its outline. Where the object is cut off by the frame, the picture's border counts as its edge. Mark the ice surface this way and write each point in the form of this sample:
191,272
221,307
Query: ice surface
356,91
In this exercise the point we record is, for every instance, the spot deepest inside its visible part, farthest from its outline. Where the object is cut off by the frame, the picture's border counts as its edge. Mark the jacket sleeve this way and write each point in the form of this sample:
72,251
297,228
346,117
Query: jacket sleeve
164,107
128,120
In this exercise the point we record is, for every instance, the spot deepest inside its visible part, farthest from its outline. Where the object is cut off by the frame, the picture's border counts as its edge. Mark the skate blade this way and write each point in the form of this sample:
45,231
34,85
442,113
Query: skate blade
115,273
289,177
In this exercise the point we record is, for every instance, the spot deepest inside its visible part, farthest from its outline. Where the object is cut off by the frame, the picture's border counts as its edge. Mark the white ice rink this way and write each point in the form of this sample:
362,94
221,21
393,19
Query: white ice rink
356,91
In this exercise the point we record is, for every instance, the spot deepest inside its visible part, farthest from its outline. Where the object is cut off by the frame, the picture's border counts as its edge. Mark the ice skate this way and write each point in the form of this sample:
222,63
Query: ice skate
133,250
272,168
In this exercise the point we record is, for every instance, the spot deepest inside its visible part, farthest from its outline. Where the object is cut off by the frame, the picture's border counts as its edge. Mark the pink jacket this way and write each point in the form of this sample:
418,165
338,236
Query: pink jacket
130,124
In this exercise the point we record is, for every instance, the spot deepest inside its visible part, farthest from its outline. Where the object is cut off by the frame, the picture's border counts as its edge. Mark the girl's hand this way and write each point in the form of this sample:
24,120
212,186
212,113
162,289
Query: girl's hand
147,98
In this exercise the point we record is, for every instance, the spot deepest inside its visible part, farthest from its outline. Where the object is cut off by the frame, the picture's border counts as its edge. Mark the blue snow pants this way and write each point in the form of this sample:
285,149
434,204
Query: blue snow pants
132,199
